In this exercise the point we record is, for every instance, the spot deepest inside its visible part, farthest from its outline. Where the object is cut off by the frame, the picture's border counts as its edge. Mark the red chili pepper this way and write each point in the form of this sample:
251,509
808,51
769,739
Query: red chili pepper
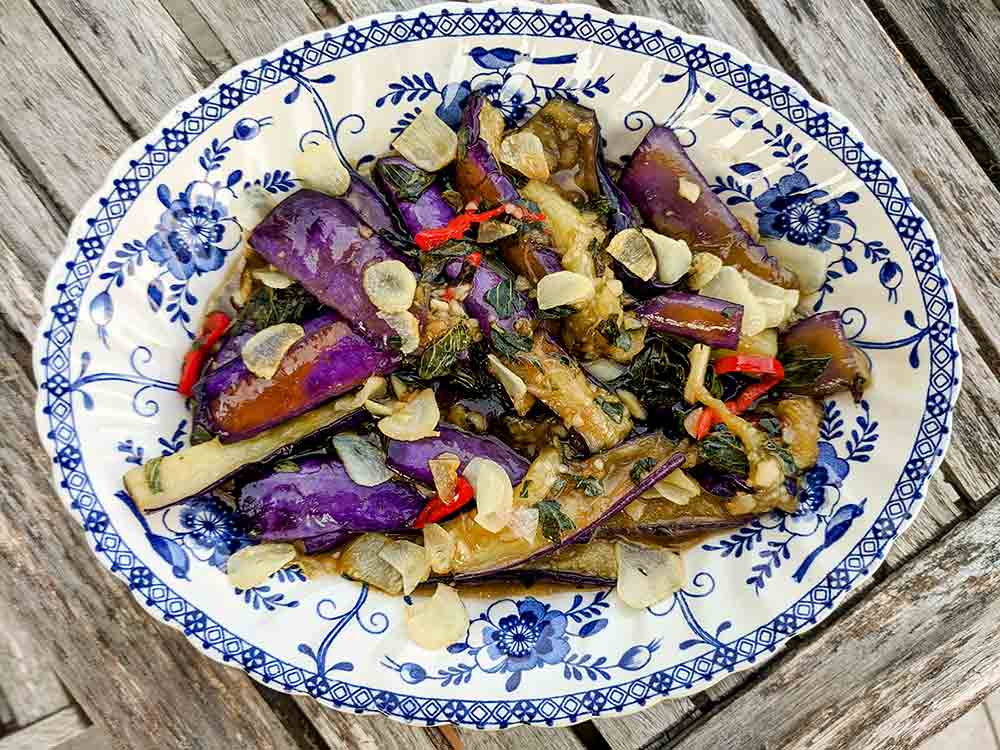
436,509
738,405
428,239
448,294
750,364
215,325
474,258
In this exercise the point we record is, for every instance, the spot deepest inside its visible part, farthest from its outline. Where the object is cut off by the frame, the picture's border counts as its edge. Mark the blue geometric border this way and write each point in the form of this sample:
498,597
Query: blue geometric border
642,36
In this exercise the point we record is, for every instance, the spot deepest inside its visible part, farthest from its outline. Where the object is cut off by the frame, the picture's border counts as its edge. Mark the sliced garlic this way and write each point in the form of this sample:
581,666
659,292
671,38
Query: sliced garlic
364,462
319,167
390,286
746,215
677,487
525,153
605,369
515,386
807,263
632,249
374,387
415,419
428,142
635,509
252,566
444,470
704,268
699,357
440,546
494,493
524,523
263,353
647,575
673,257
439,621
730,285
409,560
632,403
563,288
378,409
407,327
492,231
689,191
272,279
764,290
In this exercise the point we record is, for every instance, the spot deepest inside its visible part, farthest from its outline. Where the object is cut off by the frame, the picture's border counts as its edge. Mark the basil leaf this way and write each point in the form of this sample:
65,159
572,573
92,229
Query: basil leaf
552,520
151,473
801,368
505,299
408,183
611,331
556,313
641,468
509,344
722,450
599,205
268,307
590,486
614,409
432,262
439,357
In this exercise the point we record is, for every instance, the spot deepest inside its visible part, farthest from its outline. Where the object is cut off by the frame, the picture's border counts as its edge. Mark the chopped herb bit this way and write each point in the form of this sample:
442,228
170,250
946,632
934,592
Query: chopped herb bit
509,344
286,467
600,257
770,425
408,183
394,341
200,434
151,473
617,337
533,361
590,486
454,199
556,489
600,205
555,313
268,307
552,520
614,409
722,450
788,463
524,487
505,299
641,468
432,262
801,369
439,357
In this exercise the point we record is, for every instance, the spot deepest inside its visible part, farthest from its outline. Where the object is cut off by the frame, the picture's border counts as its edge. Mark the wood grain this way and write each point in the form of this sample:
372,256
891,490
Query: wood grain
60,727
27,679
916,653
92,738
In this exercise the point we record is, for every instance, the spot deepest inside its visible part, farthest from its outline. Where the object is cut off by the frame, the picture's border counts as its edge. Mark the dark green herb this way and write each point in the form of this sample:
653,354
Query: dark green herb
151,473
788,464
200,434
801,368
552,520
505,299
533,361
509,344
614,409
432,262
770,425
600,257
439,357
641,468
614,334
268,307
524,487
454,199
658,373
556,489
408,183
590,486
599,205
722,450
286,467
394,341
555,313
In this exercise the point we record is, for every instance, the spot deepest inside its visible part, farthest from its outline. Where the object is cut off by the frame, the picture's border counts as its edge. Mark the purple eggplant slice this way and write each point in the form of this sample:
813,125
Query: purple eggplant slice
493,300
317,497
707,320
322,243
669,521
410,458
370,205
314,545
478,176
329,360
652,181
804,346
417,197
529,253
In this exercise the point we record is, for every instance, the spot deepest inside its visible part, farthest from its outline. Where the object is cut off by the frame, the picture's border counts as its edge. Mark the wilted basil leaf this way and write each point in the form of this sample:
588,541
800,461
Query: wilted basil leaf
439,357
552,520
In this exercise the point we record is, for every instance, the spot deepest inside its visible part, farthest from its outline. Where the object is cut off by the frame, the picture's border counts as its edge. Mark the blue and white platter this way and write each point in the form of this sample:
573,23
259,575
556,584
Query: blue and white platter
123,301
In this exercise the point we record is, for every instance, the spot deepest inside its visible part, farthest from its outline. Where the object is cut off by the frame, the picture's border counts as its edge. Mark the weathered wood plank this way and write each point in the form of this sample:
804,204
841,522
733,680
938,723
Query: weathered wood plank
959,43
353,732
880,92
133,51
46,734
200,34
27,679
92,738
50,114
140,680
262,26
917,653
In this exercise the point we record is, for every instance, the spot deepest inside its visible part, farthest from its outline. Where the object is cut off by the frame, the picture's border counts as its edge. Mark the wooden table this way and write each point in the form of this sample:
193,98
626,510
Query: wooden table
81,666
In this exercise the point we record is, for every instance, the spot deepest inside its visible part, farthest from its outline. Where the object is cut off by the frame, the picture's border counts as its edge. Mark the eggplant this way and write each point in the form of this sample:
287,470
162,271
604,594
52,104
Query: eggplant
478,176
197,469
410,458
369,204
652,182
707,320
485,280
815,338
591,564
530,253
329,360
417,197
318,497
325,542
720,484
322,243
591,492
676,523
556,379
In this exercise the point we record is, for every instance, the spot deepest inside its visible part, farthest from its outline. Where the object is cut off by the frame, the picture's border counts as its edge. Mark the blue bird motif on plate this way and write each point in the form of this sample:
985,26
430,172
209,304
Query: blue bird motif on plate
501,58
838,525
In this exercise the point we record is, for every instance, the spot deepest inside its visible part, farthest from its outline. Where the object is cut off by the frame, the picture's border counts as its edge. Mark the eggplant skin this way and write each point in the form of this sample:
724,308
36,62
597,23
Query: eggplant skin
822,335
478,176
651,181
707,320
329,360
428,211
410,458
322,243
319,498
485,279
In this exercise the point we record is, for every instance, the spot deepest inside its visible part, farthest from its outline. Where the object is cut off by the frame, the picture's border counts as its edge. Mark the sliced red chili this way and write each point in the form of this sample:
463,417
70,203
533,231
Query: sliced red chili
428,239
436,509
738,405
448,294
474,258
214,327
750,364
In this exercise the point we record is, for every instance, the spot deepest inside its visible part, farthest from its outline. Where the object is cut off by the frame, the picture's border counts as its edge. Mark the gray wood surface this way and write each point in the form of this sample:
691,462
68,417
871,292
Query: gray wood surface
121,64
